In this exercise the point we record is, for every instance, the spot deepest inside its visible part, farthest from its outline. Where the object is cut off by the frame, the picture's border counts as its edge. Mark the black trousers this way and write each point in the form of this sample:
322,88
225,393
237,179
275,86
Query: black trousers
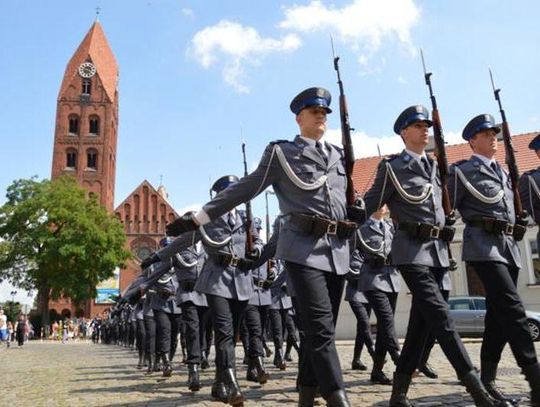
167,332
194,318
278,318
226,314
318,296
429,312
255,317
363,331
150,329
141,337
384,306
290,326
430,342
505,319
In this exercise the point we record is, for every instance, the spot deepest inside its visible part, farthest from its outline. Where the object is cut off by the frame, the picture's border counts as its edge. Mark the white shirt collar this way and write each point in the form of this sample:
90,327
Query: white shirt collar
484,159
414,155
312,142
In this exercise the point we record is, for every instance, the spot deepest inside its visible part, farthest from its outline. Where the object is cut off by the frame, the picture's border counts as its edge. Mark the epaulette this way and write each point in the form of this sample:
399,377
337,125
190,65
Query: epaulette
391,157
458,163
530,171
279,142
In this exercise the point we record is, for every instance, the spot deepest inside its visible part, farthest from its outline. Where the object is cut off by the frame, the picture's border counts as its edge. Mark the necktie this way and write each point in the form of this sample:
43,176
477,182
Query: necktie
427,167
381,225
231,220
495,169
319,148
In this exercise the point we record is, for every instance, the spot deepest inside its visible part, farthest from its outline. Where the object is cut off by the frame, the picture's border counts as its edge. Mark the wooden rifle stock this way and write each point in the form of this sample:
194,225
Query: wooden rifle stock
249,213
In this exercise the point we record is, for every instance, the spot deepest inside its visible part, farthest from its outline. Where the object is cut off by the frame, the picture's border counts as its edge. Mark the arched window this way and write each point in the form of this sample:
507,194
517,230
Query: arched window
73,124
91,159
93,125
71,158
86,86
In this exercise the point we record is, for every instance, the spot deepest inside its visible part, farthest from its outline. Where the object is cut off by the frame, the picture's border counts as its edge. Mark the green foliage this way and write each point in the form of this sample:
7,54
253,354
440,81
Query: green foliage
12,310
55,239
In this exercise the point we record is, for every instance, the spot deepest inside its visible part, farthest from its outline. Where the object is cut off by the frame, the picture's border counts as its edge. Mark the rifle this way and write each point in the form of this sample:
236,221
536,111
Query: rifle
442,160
345,132
249,213
270,262
510,157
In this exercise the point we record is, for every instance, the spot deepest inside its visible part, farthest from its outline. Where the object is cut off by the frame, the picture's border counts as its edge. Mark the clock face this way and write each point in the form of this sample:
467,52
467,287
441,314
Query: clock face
87,70
143,252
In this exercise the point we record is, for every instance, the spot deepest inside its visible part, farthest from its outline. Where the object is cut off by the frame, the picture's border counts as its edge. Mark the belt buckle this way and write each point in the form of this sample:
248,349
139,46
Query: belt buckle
234,261
260,283
509,229
331,229
435,232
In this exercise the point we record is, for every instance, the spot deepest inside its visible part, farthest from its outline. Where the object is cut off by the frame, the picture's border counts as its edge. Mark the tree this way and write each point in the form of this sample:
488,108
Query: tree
12,310
57,240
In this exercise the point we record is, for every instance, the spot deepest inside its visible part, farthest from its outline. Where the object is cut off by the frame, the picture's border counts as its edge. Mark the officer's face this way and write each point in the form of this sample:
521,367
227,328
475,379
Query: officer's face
485,143
416,136
312,122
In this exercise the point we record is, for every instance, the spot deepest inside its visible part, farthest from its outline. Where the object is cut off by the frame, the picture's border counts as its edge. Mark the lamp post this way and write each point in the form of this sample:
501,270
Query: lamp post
13,294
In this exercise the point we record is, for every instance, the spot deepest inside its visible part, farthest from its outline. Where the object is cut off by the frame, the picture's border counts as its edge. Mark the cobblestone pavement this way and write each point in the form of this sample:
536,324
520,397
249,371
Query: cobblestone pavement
84,374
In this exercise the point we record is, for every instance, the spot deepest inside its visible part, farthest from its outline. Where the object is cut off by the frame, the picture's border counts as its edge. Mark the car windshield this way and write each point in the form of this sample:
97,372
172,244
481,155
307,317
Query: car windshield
480,303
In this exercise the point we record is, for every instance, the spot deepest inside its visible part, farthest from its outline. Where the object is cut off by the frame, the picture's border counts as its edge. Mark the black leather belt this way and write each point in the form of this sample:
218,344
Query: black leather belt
378,261
426,231
258,282
187,285
228,259
499,226
319,226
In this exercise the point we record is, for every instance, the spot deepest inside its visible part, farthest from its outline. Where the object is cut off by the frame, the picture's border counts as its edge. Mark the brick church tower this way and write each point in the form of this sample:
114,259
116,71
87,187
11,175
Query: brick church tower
87,118
86,129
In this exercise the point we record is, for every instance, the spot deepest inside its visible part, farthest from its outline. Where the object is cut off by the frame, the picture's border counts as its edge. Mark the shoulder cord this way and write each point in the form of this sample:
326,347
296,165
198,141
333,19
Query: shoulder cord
370,249
490,200
354,272
292,176
532,184
415,200
211,242
185,263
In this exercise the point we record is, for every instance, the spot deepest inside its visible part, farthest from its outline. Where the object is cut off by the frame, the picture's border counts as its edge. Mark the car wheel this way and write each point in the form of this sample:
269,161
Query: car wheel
535,329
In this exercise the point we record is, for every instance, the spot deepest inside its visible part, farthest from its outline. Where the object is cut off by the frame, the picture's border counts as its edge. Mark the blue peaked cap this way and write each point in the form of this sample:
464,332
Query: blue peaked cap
223,183
412,114
535,143
479,123
311,97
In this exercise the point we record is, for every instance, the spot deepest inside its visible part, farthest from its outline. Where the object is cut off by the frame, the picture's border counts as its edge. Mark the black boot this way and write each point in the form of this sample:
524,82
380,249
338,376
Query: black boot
151,363
251,371
338,399
306,396
428,371
278,359
488,375
377,374
532,374
157,364
262,375
478,392
194,383
167,366
219,391
235,396
141,361
267,350
400,387
204,361
358,365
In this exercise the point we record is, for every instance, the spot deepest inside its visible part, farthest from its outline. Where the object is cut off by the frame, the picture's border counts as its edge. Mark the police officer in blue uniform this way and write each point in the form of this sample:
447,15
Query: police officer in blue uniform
194,308
409,184
380,283
529,189
140,333
309,179
361,310
480,189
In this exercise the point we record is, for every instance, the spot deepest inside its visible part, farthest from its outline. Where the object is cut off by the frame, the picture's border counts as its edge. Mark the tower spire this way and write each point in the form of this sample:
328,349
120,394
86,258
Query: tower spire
98,11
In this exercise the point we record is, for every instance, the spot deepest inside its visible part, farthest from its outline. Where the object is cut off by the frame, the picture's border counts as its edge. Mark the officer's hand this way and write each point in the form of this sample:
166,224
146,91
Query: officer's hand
253,255
147,262
285,290
183,224
267,284
357,211
245,264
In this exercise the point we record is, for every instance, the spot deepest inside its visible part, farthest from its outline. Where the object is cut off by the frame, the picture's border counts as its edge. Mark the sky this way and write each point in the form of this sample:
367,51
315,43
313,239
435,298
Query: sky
199,77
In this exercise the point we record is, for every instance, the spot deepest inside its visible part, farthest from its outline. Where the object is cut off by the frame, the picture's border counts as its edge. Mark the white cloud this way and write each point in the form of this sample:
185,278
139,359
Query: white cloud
367,146
402,80
188,12
233,45
362,24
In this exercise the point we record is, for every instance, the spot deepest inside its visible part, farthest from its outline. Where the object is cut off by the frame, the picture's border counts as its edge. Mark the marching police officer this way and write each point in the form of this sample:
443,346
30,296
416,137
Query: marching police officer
309,179
361,310
529,189
409,184
483,195
194,308
380,283
140,333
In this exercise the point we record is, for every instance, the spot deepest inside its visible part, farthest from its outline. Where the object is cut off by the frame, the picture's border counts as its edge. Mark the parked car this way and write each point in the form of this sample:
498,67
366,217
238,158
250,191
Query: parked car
469,313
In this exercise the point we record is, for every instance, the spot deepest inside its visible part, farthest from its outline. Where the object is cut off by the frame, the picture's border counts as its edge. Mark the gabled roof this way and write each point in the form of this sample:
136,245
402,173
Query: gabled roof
152,191
94,47
366,168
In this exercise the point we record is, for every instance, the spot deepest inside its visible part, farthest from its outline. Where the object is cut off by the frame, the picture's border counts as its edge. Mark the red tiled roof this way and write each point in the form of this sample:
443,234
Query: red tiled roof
95,47
365,168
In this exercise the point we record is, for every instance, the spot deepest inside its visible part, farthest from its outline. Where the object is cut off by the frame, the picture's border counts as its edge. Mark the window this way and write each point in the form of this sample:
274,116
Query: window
460,304
480,303
534,271
91,159
93,125
71,159
86,86
73,124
